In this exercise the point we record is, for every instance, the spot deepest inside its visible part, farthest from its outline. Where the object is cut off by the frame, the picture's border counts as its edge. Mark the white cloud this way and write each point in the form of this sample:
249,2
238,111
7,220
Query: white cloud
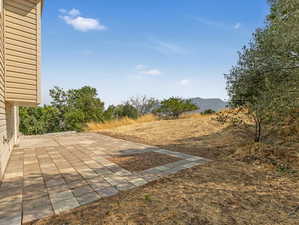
80,23
145,70
237,26
153,72
209,22
218,24
74,12
184,82
63,11
140,67
167,47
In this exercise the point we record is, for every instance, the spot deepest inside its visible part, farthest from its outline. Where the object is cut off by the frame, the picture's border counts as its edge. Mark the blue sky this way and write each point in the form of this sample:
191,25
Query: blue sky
159,48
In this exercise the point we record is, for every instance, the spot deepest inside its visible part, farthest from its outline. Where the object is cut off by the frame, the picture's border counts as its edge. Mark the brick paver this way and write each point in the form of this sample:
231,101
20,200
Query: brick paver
47,175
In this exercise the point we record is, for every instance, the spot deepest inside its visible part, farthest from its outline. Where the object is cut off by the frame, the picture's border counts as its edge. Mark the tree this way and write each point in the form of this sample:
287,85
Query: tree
85,101
266,76
39,120
120,111
126,110
143,104
69,110
77,107
208,111
174,107
109,113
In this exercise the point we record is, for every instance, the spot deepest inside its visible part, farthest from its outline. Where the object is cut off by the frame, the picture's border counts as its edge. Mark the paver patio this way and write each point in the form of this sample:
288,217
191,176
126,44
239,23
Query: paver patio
49,174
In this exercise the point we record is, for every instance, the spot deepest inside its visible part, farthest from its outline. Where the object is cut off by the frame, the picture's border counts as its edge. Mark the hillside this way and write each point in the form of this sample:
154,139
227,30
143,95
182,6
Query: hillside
232,189
215,104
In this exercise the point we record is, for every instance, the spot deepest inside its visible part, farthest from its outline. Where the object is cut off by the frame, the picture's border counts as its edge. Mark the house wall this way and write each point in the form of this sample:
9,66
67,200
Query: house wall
22,51
3,146
8,112
19,68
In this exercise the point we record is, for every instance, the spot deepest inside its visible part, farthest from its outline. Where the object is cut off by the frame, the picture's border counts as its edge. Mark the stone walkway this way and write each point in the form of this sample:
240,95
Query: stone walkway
47,175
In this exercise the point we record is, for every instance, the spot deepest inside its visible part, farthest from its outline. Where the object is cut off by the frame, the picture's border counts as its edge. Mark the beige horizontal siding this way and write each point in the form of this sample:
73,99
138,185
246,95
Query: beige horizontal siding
21,90
22,39
14,31
10,74
23,44
3,132
19,10
13,85
19,17
22,50
28,5
20,59
21,65
23,55
21,80
17,69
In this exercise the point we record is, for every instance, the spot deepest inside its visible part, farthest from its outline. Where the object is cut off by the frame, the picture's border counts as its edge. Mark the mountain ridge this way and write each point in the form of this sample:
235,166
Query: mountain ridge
215,104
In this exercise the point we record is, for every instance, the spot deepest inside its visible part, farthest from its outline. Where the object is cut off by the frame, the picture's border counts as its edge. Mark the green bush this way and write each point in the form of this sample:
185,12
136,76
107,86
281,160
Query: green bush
39,120
208,111
69,110
120,111
173,107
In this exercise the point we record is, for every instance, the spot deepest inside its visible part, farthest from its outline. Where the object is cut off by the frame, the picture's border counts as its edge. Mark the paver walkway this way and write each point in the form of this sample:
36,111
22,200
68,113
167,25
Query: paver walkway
47,175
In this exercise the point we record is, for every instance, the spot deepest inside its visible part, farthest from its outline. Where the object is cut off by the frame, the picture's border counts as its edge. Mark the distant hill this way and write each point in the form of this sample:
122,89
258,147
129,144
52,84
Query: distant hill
215,104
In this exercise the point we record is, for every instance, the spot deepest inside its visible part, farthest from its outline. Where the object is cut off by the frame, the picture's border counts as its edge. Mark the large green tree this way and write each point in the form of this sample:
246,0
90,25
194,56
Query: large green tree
173,107
266,77
69,110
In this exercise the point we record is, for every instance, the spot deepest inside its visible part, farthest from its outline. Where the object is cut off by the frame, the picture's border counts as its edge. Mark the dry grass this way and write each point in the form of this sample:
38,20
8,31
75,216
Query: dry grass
119,123
226,191
194,134
219,193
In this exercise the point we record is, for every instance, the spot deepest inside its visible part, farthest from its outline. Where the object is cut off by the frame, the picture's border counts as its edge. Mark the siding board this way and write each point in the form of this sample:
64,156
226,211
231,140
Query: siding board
3,132
13,58
22,50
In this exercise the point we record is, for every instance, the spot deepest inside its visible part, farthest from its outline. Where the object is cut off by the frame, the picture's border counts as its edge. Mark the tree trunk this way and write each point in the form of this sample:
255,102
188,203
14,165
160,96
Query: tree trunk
258,130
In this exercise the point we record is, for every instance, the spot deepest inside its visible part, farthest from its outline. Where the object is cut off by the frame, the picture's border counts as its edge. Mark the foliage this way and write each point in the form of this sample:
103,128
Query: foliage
173,107
266,76
69,110
109,113
39,120
208,112
126,110
120,111
143,104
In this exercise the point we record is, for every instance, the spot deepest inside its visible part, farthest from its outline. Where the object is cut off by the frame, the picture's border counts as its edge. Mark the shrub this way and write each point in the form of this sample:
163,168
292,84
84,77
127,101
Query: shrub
173,107
208,112
69,110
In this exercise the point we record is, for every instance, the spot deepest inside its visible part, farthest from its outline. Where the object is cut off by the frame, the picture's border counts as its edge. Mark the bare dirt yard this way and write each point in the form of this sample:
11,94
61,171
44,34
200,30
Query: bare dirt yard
140,162
235,188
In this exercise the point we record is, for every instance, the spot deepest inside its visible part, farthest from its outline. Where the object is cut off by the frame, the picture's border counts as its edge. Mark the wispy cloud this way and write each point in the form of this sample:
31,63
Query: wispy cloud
145,70
140,67
237,26
217,24
84,24
166,47
151,72
184,82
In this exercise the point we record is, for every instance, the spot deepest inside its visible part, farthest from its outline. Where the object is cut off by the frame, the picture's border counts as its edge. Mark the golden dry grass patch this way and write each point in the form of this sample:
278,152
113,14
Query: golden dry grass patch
225,191
119,123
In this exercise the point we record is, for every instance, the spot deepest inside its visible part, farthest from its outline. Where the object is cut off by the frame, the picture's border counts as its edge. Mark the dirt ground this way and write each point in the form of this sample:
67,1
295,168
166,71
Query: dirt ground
148,159
225,191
